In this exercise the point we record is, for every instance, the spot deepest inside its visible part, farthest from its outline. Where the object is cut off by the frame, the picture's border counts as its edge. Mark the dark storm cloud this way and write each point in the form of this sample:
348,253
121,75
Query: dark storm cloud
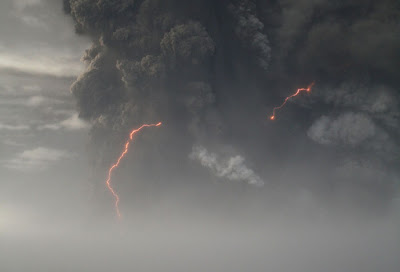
373,123
351,49
208,68
379,101
187,43
98,88
198,99
346,36
139,73
249,29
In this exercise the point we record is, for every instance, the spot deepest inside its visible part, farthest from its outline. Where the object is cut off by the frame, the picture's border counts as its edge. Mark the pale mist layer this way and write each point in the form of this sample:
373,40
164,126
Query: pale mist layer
193,230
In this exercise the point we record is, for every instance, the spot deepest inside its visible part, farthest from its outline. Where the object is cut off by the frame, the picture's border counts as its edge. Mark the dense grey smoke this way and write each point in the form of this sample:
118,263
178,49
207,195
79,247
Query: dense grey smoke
211,71
355,130
249,29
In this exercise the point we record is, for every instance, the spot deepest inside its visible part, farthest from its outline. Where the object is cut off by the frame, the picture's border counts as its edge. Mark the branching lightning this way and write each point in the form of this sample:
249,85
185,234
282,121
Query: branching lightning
308,89
116,164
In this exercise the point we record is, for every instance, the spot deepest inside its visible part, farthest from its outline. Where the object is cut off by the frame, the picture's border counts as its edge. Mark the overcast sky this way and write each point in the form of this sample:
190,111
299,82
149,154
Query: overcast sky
42,141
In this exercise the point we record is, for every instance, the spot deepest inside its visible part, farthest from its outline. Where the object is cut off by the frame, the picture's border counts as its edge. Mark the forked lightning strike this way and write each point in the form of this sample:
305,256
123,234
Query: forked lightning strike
114,166
308,89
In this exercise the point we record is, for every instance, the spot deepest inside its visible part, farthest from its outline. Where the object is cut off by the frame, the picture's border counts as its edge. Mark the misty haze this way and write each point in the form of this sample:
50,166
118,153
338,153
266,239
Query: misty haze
199,135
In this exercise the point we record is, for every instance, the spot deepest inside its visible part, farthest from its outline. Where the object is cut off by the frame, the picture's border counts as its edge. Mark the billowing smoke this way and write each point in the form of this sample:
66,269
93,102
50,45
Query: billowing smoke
232,168
211,71
355,130
249,29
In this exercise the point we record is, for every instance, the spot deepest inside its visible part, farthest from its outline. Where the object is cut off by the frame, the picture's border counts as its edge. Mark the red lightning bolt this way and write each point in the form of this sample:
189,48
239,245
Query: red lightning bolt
308,89
115,165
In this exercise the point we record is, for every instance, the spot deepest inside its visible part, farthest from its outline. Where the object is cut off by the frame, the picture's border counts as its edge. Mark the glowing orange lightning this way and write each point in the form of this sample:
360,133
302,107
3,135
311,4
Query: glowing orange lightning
108,181
308,89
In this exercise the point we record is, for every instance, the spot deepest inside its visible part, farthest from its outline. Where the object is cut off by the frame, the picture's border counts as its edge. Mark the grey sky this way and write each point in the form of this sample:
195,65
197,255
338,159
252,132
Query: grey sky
37,38
40,133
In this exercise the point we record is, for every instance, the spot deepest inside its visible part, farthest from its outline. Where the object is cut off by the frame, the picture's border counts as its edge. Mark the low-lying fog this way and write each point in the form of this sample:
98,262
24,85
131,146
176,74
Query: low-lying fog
177,236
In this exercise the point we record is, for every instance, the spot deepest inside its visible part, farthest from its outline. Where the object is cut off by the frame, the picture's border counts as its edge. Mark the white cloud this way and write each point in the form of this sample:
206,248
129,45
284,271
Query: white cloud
8,142
354,130
13,127
72,123
36,100
22,9
232,168
37,159
31,88
60,66
349,128
22,4
39,100
33,21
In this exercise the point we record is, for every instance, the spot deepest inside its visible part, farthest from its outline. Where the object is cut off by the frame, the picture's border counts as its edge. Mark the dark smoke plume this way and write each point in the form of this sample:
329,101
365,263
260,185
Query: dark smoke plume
211,71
